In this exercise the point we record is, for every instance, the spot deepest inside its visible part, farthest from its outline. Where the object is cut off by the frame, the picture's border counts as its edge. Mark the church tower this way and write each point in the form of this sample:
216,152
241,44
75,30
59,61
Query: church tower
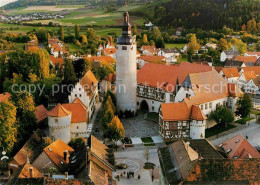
126,69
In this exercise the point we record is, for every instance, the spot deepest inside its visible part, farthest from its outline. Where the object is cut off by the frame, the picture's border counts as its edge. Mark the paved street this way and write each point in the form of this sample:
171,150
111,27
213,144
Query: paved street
135,160
252,131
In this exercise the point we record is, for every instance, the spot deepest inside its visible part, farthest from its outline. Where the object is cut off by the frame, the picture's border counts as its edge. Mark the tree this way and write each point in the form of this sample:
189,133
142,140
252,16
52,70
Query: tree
134,30
222,115
239,45
222,44
26,120
78,144
108,114
193,45
84,39
44,70
115,129
76,31
251,26
80,67
244,105
145,40
42,35
69,72
61,32
8,128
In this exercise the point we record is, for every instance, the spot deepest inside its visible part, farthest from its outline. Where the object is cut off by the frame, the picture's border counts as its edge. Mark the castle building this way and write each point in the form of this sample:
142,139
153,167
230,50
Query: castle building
126,69
68,121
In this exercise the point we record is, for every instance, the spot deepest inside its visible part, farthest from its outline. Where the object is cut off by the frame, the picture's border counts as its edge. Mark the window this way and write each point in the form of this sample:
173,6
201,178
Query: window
56,120
137,103
152,102
171,98
210,105
184,124
75,95
79,89
167,126
201,107
124,48
77,127
79,95
168,133
206,106
152,107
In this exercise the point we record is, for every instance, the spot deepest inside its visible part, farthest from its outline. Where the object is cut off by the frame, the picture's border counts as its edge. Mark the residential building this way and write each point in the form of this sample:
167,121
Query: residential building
254,53
58,49
234,63
228,54
245,77
238,147
108,84
182,163
57,155
230,74
158,83
149,50
110,52
87,91
68,121
252,86
32,46
247,60
126,69
56,61
179,31
171,55
144,59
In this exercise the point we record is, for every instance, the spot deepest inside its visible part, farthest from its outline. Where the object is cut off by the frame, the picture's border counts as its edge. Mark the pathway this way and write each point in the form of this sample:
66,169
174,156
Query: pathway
90,125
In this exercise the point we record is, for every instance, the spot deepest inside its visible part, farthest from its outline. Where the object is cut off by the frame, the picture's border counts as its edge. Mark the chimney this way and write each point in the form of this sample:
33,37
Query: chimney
31,172
66,175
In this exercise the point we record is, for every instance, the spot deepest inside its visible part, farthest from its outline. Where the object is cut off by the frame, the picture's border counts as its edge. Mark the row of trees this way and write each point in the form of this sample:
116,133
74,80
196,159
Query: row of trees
114,129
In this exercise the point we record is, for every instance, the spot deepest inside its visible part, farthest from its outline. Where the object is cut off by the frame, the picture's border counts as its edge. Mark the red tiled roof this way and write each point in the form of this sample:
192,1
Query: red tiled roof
5,96
41,113
88,82
254,53
234,90
79,112
58,111
153,59
77,100
111,78
218,68
197,114
106,59
249,75
56,61
165,77
230,72
25,173
56,150
256,69
151,49
109,51
246,59
240,148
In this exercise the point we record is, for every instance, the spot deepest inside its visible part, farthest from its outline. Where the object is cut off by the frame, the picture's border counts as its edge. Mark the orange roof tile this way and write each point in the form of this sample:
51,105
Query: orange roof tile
5,96
153,59
165,77
77,100
151,49
254,53
111,78
256,69
56,61
240,148
97,174
79,112
106,59
197,114
246,59
230,72
58,111
218,68
249,75
56,150
41,113
88,82
234,90
25,172
110,51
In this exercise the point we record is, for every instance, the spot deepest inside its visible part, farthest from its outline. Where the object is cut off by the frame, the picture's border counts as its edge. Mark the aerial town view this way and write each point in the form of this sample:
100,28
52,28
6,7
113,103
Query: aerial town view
129,92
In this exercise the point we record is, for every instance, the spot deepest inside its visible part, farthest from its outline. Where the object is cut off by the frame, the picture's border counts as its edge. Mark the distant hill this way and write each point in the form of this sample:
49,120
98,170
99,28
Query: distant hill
205,14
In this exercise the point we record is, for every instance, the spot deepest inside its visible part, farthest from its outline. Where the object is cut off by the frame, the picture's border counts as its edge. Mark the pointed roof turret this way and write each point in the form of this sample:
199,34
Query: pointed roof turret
126,38
58,111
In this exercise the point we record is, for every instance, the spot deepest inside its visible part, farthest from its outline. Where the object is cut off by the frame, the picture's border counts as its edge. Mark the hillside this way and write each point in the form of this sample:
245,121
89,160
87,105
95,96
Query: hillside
205,14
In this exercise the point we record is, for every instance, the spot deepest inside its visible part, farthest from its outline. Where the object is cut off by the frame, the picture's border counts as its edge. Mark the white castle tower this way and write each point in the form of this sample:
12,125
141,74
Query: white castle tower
126,69
59,120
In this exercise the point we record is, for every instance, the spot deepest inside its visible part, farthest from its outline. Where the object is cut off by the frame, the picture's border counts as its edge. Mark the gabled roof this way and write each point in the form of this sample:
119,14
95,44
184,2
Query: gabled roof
256,69
231,52
253,53
41,113
165,76
5,96
56,61
239,147
246,59
110,51
105,59
232,63
55,152
249,75
230,72
88,81
78,112
257,81
197,114
170,50
111,78
25,172
77,100
234,90
153,59
58,111
151,49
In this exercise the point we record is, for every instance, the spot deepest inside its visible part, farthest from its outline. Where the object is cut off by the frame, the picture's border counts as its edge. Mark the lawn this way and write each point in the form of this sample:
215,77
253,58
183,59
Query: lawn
148,141
174,45
244,120
184,58
215,130
254,112
73,48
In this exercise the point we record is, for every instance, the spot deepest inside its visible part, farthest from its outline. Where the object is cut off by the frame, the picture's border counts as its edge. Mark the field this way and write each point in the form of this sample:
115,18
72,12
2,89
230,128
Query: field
81,15
174,45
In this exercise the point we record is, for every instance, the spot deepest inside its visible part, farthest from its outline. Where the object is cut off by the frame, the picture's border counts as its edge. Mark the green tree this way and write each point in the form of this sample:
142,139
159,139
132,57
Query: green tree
78,144
222,115
42,35
222,44
44,69
134,30
69,72
61,33
76,31
251,26
25,115
108,114
8,128
244,105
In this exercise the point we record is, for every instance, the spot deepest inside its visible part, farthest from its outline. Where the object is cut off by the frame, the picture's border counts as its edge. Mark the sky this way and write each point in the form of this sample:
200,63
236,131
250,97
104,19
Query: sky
4,2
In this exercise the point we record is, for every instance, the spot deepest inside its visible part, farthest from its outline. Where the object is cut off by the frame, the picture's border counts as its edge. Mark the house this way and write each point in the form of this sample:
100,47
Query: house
238,147
252,86
56,61
211,45
87,91
154,88
230,74
56,155
110,44
41,114
248,60
179,31
180,163
144,59
149,25
198,95
110,52
69,120
228,54
99,163
171,55
254,53
234,63
149,50
32,46
57,48
245,78
108,84
30,151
